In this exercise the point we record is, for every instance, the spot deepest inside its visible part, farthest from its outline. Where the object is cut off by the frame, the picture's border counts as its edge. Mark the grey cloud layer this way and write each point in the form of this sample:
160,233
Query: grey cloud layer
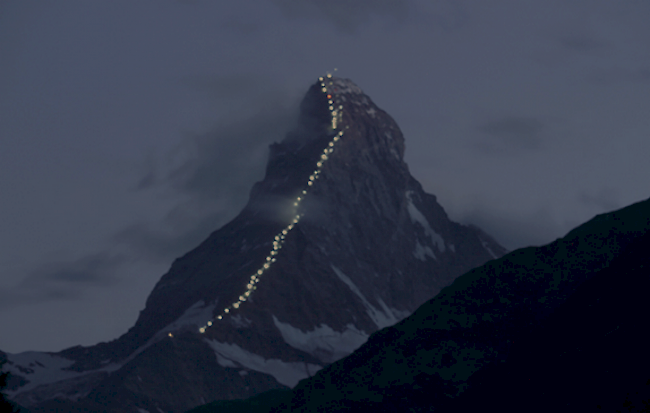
65,279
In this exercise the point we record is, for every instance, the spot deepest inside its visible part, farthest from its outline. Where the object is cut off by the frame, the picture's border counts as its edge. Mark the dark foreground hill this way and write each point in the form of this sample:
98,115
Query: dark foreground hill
562,327
591,354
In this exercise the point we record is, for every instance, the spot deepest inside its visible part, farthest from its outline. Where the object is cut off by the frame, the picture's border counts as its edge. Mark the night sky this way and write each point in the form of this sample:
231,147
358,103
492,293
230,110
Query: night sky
132,129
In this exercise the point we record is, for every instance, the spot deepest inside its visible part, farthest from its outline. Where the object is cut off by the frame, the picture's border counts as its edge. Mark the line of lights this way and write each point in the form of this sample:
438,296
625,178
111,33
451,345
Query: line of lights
279,239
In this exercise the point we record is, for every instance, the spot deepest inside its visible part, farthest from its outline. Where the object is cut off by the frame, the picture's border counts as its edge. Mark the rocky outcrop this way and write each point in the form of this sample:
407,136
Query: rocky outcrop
337,242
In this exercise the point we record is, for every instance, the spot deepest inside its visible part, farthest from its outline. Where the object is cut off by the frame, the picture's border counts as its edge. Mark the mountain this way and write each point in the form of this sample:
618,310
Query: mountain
562,328
337,242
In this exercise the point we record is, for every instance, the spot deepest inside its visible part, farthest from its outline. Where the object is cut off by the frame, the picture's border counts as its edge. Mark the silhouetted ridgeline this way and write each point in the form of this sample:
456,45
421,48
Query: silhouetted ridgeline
561,328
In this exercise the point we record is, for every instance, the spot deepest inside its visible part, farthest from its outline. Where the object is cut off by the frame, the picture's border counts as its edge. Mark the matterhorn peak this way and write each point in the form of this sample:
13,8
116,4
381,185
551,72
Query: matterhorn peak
336,242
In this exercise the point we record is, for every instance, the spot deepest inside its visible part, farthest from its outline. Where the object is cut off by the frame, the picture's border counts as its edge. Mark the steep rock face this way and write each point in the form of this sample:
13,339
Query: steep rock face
337,242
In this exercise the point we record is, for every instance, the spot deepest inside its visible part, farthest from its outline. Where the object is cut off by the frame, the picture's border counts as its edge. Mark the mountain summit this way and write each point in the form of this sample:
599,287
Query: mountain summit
336,242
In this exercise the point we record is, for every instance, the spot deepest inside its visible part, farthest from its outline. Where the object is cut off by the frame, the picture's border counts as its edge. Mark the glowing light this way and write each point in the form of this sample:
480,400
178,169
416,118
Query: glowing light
170,335
279,238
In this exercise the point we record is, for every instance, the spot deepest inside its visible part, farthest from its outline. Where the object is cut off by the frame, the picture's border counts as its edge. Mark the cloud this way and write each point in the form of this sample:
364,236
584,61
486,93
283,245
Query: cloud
510,134
582,43
92,269
515,230
64,279
605,200
212,172
348,16
229,157
162,243
232,86
613,76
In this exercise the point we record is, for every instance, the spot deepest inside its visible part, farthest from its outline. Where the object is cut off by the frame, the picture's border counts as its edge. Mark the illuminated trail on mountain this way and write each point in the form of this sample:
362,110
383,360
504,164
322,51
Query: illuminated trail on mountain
336,113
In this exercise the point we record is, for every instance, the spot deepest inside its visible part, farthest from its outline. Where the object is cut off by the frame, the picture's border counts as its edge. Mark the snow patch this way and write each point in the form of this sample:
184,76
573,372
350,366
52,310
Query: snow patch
39,368
195,316
421,252
142,410
393,151
371,112
43,368
485,245
286,373
243,373
416,216
323,342
240,322
225,362
381,319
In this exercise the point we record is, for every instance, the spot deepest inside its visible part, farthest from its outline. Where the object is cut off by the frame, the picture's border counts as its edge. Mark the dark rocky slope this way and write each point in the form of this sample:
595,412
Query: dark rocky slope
590,355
